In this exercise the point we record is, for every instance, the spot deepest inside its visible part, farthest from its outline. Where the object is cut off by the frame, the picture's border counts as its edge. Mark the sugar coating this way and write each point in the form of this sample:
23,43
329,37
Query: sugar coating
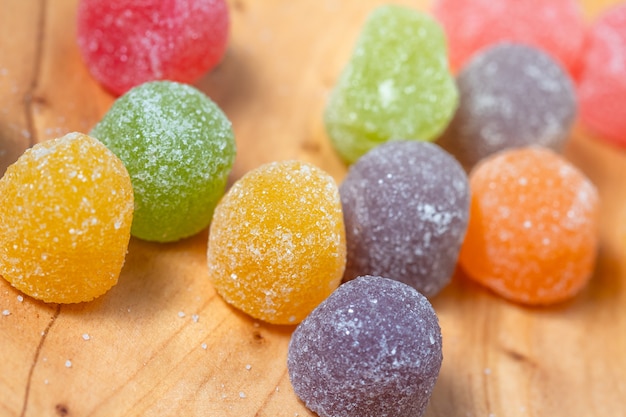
471,25
277,242
128,42
66,210
406,207
533,230
396,85
373,348
511,95
602,86
178,147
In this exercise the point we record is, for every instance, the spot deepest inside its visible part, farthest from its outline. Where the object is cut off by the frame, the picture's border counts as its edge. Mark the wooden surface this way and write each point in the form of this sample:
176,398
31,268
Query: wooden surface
161,343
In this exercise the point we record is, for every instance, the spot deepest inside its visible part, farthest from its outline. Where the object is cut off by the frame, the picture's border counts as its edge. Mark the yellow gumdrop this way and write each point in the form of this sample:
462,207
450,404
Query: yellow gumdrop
66,209
277,242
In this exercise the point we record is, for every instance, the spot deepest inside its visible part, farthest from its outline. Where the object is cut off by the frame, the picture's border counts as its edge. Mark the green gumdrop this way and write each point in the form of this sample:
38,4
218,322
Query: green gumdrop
397,84
178,147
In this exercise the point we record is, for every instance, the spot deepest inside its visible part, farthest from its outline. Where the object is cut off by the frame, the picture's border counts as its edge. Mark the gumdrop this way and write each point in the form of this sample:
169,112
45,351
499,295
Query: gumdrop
373,348
511,96
602,87
128,42
556,26
178,147
277,242
396,85
533,231
65,215
406,207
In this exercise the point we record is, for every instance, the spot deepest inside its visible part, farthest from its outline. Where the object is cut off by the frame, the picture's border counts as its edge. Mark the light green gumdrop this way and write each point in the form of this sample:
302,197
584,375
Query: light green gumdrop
178,147
397,84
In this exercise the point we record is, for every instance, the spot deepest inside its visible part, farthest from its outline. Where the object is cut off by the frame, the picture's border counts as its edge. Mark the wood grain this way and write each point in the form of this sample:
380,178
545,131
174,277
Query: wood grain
161,343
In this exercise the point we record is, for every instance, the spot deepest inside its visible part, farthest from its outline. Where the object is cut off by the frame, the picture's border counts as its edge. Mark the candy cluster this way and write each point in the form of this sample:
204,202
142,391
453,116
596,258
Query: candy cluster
407,209
529,230
500,104
156,170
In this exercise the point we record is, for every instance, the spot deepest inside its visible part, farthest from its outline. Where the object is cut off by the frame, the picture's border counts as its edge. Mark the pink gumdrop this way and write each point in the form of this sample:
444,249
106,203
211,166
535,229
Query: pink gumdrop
556,26
602,86
128,42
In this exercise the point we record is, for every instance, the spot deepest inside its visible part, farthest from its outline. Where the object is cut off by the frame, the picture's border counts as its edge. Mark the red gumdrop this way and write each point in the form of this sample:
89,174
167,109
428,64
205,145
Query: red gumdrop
556,26
128,42
602,86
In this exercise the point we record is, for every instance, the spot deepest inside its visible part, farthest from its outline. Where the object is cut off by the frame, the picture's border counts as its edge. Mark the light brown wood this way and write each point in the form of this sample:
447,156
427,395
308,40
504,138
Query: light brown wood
162,343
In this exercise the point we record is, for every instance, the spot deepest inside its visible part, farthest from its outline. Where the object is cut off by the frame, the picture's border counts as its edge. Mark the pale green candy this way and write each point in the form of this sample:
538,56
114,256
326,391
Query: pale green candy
178,147
397,84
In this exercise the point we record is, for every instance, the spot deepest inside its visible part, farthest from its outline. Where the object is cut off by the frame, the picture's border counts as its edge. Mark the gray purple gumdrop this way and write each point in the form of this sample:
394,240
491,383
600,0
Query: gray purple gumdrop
406,208
371,349
511,95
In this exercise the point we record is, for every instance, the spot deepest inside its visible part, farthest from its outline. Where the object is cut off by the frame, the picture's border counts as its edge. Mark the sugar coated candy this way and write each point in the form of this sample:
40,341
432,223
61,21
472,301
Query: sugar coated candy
406,207
511,95
602,87
128,42
277,242
66,208
532,235
178,147
371,349
395,86
556,26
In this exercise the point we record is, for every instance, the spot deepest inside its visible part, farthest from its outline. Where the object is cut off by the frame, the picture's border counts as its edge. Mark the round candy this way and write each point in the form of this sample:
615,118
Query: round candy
532,236
511,95
277,243
396,84
602,88
556,26
128,42
406,207
66,208
373,348
179,148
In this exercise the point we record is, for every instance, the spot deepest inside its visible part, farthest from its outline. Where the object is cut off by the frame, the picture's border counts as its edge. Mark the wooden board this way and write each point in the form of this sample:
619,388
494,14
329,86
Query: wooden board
161,343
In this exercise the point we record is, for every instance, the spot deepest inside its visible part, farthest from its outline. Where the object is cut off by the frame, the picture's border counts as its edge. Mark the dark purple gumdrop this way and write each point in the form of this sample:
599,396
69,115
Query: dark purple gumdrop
406,208
372,348
511,95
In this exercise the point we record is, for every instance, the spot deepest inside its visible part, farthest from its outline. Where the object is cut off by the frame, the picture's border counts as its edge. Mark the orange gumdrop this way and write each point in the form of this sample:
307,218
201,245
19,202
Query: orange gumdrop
532,236
66,209
277,243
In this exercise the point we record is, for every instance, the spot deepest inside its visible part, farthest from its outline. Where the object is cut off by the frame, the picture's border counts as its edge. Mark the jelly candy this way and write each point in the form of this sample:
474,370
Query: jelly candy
65,215
602,87
395,86
511,95
178,147
372,348
406,207
128,42
277,242
532,235
556,26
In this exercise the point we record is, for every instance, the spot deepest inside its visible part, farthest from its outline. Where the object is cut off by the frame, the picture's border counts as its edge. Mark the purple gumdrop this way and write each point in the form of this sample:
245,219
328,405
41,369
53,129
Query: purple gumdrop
372,348
406,208
511,95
